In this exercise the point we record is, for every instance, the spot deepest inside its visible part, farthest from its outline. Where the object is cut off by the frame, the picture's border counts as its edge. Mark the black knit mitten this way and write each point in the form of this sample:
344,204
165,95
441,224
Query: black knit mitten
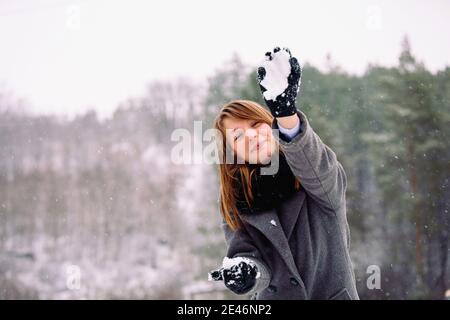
279,79
239,278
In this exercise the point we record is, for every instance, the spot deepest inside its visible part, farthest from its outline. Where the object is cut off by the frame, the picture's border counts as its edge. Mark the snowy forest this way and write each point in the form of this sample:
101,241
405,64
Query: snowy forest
95,209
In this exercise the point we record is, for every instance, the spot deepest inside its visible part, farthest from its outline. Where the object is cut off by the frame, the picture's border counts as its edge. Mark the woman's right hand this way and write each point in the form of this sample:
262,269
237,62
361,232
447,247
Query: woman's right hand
239,274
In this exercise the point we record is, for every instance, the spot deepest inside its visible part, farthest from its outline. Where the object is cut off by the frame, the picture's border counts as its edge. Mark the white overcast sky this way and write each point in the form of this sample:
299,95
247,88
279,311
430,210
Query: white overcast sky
65,57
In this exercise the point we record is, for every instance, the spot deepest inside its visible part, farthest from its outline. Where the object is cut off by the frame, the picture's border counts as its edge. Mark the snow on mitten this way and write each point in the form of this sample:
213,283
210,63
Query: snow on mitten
215,275
239,274
279,79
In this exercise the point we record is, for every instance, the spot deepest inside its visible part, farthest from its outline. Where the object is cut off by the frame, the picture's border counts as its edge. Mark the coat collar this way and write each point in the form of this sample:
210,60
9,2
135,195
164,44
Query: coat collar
285,218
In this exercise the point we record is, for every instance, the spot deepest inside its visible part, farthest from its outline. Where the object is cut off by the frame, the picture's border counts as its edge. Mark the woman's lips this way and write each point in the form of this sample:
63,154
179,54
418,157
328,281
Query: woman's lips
258,145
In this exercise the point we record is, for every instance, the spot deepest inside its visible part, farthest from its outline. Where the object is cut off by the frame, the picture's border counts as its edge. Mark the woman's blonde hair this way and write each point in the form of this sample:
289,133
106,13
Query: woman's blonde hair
244,110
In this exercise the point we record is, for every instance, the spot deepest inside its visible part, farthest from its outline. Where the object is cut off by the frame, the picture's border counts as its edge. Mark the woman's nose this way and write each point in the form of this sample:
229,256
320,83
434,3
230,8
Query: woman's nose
251,133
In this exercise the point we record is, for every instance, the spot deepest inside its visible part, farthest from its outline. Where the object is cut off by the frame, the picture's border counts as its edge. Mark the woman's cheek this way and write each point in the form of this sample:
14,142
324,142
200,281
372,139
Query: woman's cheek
241,151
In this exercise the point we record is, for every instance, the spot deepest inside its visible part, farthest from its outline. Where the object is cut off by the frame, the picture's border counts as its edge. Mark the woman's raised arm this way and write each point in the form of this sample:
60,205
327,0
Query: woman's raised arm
316,165
312,161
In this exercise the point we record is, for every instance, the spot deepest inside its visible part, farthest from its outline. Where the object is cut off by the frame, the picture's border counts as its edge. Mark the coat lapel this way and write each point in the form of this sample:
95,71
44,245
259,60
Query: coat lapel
270,223
289,210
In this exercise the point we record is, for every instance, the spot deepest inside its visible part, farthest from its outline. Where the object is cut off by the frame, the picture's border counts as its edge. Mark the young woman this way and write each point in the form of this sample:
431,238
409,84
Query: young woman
287,232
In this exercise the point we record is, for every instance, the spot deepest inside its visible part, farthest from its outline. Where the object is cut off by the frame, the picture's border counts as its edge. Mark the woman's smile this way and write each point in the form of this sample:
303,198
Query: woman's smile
259,145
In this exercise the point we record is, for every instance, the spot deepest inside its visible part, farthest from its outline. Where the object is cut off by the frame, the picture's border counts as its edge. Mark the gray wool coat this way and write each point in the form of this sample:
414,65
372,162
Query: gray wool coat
304,252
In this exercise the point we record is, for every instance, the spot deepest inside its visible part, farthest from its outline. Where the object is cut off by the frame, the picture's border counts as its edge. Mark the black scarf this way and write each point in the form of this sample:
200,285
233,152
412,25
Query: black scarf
268,190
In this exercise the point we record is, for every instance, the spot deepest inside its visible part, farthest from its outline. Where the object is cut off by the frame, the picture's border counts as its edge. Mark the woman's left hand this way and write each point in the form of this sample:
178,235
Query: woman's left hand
279,79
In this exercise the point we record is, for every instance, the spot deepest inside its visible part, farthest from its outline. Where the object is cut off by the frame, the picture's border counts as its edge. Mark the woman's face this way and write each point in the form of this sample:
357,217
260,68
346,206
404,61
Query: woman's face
250,140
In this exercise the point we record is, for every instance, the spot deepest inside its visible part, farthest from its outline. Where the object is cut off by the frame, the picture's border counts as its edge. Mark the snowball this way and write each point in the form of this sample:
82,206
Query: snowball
277,73
229,262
